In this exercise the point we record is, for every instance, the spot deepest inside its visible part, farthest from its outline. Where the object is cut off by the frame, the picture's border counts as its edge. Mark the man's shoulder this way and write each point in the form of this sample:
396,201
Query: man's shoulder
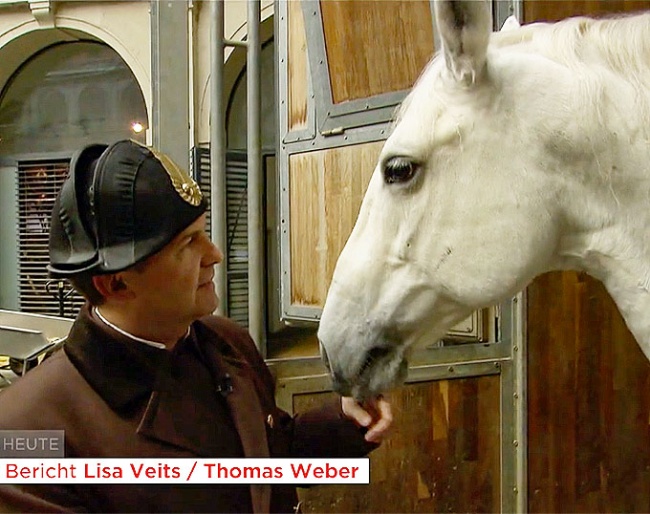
53,383
228,332
53,371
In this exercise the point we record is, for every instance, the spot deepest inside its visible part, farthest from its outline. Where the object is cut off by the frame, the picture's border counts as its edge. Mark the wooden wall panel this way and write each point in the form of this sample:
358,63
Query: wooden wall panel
554,10
298,78
588,401
326,190
443,454
306,208
375,47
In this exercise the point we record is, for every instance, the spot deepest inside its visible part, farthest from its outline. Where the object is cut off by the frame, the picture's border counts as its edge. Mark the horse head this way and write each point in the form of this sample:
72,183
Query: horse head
504,162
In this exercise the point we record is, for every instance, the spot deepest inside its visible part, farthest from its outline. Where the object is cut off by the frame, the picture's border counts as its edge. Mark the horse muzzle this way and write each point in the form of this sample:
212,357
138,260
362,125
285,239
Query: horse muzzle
380,369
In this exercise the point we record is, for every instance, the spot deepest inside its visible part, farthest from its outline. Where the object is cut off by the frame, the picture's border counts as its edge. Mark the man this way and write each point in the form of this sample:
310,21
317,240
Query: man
146,371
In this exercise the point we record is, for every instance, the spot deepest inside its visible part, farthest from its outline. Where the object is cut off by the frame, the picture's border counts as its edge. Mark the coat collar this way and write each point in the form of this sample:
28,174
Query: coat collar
125,374
120,370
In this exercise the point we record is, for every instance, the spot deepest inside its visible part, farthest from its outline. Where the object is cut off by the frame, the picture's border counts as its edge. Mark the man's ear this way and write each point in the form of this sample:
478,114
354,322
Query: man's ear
112,286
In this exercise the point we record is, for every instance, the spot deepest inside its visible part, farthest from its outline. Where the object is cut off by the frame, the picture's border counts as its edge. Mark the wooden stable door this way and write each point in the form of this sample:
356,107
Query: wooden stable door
588,401
443,454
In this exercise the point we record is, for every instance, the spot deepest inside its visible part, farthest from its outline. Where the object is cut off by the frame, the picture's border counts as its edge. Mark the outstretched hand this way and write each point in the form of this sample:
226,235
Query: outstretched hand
375,415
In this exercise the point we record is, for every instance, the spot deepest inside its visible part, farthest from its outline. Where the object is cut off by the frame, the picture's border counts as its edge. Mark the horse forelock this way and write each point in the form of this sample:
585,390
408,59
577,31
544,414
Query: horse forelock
424,84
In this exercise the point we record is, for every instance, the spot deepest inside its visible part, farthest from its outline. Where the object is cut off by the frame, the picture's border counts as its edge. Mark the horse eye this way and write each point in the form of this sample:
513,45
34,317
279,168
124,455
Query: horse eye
399,170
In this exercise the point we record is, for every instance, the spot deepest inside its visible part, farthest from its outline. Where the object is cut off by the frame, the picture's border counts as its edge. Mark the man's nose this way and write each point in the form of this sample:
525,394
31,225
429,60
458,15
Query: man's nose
213,255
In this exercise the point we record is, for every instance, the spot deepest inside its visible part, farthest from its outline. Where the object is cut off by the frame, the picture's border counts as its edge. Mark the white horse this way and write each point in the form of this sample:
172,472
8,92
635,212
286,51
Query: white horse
516,153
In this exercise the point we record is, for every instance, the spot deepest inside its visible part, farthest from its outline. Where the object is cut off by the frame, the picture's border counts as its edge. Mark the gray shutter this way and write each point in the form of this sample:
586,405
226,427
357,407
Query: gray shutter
237,221
38,184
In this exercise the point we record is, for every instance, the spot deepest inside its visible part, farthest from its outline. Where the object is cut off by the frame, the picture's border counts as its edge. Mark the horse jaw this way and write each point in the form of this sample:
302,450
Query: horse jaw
372,286
376,312
392,292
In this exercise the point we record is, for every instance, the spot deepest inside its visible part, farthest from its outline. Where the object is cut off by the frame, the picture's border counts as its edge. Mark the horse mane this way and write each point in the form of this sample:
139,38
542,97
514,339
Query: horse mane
620,43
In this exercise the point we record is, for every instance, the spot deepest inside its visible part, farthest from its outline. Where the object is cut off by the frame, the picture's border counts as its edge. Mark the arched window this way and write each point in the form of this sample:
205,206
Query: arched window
58,101
61,99
236,116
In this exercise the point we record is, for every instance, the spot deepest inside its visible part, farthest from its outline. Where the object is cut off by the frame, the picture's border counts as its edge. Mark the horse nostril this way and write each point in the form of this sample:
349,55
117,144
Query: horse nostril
373,355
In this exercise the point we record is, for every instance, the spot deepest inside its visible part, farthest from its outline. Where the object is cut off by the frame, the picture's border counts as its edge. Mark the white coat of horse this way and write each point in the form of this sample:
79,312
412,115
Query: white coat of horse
516,153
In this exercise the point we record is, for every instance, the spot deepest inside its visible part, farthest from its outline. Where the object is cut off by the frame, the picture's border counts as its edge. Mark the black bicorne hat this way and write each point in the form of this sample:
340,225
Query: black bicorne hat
119,205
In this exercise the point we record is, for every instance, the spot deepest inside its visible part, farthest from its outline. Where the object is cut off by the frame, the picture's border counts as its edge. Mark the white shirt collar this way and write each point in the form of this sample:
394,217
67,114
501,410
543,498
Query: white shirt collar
155,344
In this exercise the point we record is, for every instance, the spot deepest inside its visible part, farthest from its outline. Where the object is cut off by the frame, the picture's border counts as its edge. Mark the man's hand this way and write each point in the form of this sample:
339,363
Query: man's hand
374,414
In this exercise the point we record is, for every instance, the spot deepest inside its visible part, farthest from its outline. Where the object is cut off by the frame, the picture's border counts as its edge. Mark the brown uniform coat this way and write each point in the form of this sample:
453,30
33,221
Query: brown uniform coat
114,397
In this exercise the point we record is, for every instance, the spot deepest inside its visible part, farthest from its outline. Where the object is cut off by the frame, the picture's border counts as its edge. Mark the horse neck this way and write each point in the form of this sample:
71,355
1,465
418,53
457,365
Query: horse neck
609,239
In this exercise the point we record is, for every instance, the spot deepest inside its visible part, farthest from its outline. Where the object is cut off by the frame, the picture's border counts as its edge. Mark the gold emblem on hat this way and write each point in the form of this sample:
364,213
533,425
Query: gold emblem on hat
184,185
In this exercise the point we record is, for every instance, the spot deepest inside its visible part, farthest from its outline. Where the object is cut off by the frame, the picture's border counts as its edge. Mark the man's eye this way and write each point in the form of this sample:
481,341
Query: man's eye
399,170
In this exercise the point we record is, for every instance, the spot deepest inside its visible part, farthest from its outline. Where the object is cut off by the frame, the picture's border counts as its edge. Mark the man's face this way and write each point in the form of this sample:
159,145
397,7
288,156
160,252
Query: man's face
176,284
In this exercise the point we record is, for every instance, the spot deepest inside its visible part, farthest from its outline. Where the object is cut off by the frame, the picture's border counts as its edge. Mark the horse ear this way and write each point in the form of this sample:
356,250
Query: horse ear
464,27
511,23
